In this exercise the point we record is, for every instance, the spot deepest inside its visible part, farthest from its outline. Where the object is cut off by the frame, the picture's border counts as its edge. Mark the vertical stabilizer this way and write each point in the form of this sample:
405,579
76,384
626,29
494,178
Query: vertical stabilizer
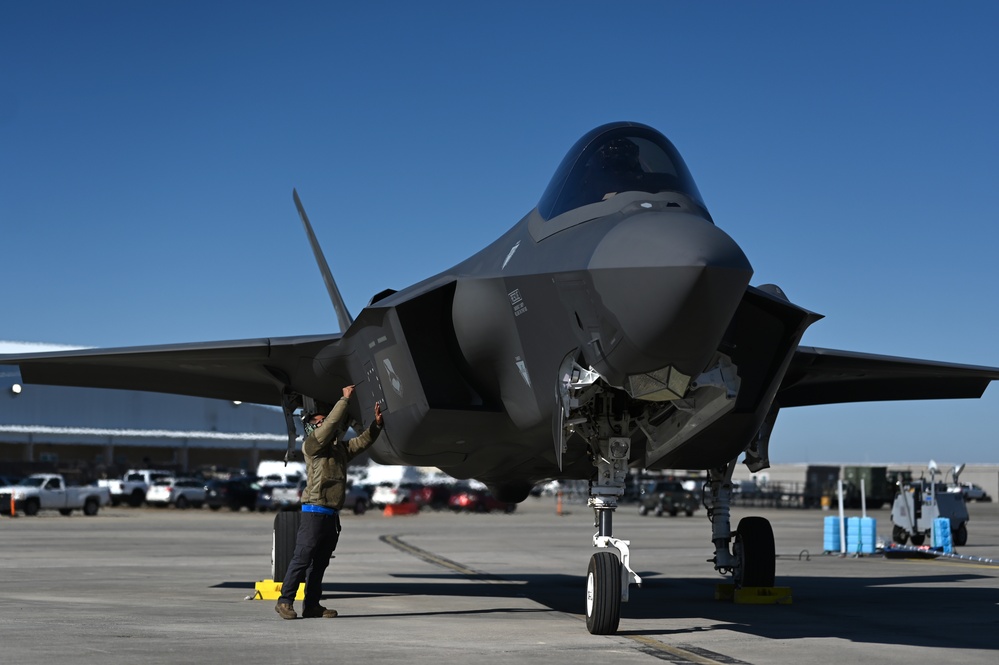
342,315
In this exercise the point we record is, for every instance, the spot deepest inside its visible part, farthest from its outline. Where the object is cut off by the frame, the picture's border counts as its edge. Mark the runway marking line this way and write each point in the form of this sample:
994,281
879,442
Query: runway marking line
652,647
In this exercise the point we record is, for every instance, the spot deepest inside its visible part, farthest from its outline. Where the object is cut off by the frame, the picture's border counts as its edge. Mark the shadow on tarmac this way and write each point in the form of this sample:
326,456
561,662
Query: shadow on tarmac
931,610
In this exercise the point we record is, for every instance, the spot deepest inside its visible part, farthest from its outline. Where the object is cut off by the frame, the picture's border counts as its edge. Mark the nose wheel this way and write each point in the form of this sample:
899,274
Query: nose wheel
603,594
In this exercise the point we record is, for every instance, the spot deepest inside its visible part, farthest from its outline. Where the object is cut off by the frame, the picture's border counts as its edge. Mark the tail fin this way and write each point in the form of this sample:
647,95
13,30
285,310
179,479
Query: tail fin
342,315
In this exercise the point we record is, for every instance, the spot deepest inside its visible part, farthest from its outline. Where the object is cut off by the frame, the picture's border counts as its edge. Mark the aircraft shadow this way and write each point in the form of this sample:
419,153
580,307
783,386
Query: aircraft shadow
881,610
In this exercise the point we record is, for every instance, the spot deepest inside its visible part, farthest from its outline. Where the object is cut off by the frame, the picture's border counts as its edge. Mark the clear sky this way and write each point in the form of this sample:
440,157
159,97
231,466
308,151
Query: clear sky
148,151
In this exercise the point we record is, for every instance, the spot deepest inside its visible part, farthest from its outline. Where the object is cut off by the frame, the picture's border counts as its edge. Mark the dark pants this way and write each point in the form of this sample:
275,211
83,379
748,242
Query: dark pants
314,545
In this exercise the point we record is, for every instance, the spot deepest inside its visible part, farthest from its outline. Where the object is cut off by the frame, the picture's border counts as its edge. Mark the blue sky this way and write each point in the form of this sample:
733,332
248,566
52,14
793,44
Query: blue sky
148,151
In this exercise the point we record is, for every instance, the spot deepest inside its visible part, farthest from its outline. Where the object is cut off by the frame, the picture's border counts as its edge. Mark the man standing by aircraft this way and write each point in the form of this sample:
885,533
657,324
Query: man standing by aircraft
326,459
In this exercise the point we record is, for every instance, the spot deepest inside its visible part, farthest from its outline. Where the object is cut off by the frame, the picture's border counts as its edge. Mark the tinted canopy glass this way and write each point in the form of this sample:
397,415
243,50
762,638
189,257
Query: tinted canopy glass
615,158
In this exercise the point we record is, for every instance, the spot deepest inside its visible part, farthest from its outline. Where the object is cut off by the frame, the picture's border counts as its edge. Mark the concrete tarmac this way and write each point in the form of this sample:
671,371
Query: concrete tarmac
167,586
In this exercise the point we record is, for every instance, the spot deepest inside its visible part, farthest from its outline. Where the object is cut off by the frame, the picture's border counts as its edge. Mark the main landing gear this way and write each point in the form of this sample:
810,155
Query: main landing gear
752,559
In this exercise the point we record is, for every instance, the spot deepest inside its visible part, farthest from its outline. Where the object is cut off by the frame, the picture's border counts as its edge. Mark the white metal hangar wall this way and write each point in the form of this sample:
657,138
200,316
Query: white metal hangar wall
96,431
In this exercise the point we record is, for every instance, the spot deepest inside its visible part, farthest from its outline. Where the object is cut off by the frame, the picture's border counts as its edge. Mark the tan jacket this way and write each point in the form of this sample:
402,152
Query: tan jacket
326,458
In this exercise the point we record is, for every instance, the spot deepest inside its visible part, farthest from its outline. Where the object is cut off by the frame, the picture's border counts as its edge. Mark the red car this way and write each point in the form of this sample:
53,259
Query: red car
478,501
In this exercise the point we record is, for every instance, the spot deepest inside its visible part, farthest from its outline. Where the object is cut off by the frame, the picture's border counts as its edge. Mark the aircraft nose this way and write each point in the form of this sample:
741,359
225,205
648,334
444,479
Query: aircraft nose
669,284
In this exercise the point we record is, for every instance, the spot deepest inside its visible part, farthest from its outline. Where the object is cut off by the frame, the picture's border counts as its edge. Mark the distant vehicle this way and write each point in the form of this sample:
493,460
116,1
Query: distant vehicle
276,471
357,499
48,491
392,493
235,493
436,496
182,493
971,492
277,495
918,504
132,487
666,496
477,501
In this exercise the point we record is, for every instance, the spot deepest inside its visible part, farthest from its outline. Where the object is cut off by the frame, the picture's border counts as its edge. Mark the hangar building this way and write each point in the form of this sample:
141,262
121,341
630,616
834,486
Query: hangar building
90,433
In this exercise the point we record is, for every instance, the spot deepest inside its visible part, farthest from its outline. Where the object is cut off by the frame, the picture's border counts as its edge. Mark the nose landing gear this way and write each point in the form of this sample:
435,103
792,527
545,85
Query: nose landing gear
609,575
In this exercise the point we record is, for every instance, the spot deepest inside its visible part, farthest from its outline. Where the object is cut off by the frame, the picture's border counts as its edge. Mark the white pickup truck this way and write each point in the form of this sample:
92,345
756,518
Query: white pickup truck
48,491
132,487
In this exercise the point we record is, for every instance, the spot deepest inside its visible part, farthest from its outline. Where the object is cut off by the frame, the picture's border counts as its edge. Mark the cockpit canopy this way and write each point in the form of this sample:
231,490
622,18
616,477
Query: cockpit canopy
614,158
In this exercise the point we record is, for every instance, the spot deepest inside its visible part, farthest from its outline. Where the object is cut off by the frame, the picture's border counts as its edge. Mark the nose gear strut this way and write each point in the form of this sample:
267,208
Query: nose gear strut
609,575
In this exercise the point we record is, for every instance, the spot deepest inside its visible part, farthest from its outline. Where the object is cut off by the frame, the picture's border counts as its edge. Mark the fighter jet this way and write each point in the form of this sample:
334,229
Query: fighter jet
613,327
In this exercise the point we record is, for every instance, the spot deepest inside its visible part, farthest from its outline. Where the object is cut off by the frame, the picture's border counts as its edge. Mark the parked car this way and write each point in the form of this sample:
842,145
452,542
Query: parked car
435,496
235,493
391,493
182,493
972,492
355,500
281,472
277,495
666,496
49,491
132,487
477,501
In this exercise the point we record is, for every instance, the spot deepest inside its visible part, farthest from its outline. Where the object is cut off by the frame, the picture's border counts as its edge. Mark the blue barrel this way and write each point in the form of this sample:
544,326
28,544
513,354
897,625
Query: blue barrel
853,535
941,535
830,542
868,535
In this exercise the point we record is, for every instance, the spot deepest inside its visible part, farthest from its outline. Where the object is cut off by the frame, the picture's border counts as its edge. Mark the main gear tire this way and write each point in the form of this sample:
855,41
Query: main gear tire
757,553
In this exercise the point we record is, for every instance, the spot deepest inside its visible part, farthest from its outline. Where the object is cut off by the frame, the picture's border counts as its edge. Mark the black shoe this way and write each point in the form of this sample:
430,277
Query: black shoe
317,612
286,611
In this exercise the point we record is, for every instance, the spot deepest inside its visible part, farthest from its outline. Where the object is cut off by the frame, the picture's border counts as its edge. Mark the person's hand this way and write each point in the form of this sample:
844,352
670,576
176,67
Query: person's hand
348,391
378,413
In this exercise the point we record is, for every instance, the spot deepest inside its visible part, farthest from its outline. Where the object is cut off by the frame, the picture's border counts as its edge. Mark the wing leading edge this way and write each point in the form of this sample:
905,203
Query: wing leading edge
253,370
827,376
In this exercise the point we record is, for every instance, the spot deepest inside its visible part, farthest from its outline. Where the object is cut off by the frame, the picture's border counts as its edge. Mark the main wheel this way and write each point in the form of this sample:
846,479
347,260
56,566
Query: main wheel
918,539
757,554
603,594
899,535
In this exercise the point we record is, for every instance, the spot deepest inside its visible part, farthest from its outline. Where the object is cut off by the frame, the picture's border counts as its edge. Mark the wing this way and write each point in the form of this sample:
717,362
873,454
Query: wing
254,370
827,376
